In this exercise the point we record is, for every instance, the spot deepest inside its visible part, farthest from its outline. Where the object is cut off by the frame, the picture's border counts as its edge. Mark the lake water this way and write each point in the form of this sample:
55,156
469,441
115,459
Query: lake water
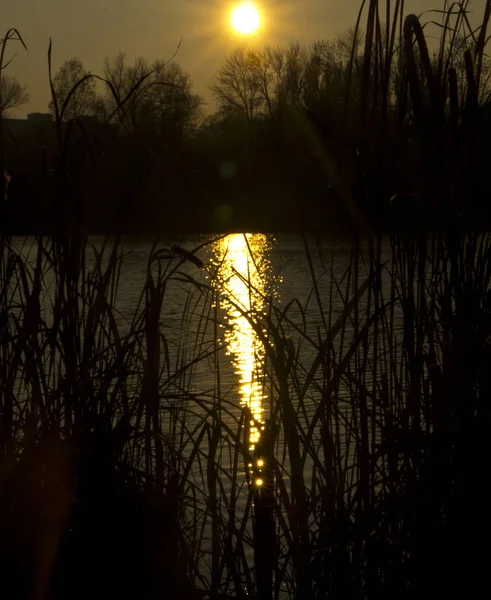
214,320
245,278
249,274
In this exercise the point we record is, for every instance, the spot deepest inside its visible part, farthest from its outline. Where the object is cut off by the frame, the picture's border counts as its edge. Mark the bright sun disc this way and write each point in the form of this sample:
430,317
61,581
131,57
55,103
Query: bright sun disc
245,19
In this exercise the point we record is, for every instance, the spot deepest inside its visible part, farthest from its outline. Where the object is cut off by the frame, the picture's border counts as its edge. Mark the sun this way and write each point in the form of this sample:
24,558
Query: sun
246,19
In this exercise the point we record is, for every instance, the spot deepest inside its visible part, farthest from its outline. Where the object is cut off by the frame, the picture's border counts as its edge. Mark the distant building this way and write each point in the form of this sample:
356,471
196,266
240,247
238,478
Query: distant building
21,127
39,117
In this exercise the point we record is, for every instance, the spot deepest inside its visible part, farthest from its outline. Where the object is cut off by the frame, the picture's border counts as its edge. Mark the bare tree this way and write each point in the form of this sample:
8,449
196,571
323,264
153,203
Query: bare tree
12,93
262,83
237,86
335,58
124,80
83,101
162,95
170,98
281,74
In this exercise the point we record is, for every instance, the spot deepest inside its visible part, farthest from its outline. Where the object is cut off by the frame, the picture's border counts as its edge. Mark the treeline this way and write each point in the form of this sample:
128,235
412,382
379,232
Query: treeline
322,136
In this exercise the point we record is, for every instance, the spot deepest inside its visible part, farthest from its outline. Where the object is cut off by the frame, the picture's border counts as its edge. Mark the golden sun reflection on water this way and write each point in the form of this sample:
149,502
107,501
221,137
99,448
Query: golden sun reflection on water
244,279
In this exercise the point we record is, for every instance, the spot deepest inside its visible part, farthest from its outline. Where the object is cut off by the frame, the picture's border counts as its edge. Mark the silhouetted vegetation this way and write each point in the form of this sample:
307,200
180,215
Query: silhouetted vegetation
121,476
373,109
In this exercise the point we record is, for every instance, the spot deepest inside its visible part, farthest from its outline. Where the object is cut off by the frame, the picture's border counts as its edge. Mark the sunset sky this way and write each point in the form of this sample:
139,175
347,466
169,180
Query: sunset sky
94,29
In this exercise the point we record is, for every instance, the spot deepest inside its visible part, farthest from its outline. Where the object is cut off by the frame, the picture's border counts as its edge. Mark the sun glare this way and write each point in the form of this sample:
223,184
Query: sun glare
246,19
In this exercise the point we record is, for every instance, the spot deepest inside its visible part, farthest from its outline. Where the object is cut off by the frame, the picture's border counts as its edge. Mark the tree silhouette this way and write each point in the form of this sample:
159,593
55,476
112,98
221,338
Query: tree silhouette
280,72
12,93
164,103
83,100
237,85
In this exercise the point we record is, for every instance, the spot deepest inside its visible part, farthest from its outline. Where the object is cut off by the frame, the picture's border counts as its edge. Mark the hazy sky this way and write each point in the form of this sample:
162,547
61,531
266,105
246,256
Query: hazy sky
94,29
